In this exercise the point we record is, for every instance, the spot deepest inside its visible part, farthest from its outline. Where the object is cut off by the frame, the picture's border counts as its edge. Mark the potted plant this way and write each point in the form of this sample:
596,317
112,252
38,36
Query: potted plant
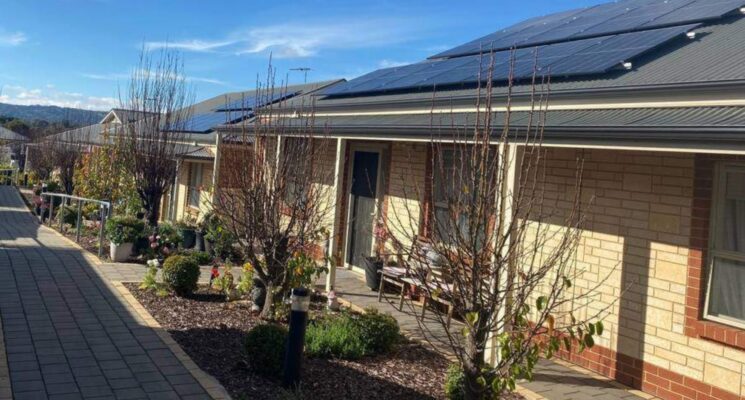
122,232
187,228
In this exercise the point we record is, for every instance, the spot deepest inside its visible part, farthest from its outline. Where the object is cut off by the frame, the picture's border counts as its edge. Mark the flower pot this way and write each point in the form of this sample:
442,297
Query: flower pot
189,238
372,276
199,246
120,252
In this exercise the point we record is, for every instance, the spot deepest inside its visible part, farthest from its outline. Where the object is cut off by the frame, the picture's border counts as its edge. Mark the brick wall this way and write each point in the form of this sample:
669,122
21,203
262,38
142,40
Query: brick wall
406,189
638,247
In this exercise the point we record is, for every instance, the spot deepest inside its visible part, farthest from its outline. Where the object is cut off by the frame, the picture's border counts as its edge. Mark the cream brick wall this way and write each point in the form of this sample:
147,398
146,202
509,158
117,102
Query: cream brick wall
181,200
637,237
406,189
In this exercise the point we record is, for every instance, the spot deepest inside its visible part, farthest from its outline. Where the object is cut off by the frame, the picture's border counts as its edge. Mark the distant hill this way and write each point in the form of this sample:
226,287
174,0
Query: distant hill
52,114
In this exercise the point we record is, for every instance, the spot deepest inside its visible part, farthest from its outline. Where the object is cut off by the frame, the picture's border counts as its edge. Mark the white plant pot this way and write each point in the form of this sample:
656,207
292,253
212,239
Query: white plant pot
120,252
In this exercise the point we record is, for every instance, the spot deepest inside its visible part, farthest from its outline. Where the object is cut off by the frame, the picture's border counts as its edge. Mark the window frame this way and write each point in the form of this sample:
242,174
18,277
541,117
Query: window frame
718,199
194,190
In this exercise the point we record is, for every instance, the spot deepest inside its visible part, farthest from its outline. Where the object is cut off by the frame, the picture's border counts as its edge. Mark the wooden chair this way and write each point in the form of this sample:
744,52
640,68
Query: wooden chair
439,281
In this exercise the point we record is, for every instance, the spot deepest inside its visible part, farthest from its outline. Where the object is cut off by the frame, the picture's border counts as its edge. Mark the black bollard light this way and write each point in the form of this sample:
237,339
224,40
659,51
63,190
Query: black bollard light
295,341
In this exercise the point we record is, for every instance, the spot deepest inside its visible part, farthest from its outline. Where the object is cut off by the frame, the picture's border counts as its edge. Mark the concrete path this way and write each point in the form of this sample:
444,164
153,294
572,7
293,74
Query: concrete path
552,380
67,333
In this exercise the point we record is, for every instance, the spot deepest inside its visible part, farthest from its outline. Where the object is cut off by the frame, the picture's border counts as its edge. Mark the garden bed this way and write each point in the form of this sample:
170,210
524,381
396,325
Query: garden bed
211,331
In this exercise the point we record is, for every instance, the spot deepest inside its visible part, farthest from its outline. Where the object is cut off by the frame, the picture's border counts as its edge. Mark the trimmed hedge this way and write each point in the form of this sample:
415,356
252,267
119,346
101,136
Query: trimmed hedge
181,274
352,336
265,349
124,229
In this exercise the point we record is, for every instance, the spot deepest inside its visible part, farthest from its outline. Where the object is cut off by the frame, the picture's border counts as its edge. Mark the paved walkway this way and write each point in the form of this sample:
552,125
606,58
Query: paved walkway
67,332
552,380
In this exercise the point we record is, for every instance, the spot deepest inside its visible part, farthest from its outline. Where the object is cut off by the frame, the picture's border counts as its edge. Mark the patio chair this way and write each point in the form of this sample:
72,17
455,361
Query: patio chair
439,281
410,277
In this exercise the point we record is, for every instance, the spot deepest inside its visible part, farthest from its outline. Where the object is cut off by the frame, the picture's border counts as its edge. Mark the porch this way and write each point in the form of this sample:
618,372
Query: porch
554,379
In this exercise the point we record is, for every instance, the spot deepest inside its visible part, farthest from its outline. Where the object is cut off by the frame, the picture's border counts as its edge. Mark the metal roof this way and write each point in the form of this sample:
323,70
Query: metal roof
197,152
8,135
691,124
715,58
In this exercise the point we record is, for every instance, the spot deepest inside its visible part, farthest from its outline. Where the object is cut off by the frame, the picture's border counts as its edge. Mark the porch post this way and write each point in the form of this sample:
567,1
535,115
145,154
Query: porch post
337,191
508,163
216,168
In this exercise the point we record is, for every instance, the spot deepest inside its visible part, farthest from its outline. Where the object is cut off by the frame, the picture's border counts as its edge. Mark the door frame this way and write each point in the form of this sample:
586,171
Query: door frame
380,149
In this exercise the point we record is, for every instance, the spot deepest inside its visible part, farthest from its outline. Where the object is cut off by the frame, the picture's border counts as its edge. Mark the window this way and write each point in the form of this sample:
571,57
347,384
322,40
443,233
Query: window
450,192
195,184
726,297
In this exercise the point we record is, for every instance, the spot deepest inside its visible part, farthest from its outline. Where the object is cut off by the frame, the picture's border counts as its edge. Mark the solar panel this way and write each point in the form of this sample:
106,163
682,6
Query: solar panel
251,102
205,122
601,20
579,57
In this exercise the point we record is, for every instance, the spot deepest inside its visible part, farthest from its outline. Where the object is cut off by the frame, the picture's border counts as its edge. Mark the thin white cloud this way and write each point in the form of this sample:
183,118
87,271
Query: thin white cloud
52,97
306,39
125,77
12,39
392,63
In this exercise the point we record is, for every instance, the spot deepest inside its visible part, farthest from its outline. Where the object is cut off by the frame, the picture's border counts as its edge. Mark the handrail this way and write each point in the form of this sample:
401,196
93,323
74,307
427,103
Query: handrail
104,213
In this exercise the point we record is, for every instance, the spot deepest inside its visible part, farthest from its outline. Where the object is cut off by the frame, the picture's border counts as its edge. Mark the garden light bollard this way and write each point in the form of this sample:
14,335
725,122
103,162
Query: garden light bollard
296,338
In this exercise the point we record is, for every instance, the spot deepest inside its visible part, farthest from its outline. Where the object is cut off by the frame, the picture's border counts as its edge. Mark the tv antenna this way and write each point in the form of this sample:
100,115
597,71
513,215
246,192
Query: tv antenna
304,70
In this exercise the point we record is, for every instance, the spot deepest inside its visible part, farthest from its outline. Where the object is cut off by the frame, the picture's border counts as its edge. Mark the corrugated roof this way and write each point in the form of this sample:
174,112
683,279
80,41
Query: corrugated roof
7,134
199,152
683,118
716,55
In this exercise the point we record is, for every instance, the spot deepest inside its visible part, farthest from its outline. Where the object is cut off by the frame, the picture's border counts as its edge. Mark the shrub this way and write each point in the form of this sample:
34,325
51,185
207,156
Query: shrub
334,337
169,235
246,281
201,257
455,383
265,348
124,229
68,215
181,274
378,332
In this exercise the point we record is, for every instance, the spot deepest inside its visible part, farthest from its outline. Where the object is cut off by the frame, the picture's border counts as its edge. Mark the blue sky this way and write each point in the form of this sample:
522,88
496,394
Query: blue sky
79,52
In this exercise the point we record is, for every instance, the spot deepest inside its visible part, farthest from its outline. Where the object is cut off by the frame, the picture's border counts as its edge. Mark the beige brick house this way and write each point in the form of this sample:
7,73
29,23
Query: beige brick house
662,136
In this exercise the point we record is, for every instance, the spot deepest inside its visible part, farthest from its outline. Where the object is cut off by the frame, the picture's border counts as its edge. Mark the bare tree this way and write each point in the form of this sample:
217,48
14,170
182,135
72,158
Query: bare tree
274,193
66,150
158,101
495,247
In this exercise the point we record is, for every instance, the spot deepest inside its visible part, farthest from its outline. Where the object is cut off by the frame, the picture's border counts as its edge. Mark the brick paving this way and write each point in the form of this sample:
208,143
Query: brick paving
552,380
67,332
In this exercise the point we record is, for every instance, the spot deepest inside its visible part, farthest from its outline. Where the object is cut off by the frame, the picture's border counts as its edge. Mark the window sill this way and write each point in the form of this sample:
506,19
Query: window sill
720,333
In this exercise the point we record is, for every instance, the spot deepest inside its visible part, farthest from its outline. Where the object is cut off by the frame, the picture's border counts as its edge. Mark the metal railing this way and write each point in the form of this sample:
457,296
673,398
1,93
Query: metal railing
8,176
104,212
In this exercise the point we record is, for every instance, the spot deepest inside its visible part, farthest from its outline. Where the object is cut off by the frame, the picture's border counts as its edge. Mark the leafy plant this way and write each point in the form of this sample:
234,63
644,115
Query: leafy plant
149,281
187,222
99,175
169,235
201,257
68,215
246,281
181,274
265,348
304,270
378,332
454,383
226,282
124,229
334,337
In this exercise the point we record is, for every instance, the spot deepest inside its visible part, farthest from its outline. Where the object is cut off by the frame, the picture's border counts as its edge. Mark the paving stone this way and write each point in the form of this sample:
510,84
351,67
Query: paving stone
66,342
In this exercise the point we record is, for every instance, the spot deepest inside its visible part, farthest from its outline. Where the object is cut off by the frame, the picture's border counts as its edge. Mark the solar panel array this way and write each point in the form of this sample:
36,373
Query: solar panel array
205,122
587,41
579,57
600,20
249,103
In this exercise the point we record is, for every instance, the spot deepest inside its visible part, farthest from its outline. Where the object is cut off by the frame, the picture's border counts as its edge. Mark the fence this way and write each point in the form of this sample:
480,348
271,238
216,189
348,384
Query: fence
104,212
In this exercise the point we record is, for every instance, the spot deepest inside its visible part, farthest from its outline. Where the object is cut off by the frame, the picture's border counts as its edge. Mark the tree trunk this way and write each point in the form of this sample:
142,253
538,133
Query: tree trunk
268,311
152,209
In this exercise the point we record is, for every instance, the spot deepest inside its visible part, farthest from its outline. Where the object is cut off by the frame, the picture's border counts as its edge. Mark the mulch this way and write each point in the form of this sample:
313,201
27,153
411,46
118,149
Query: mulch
211,331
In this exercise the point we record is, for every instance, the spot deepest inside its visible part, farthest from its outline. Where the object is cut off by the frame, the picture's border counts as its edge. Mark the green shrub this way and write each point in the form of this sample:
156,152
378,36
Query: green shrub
265,348
334,337
378,332
201,257
68,215
181,274
455,383
169,235
124,229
